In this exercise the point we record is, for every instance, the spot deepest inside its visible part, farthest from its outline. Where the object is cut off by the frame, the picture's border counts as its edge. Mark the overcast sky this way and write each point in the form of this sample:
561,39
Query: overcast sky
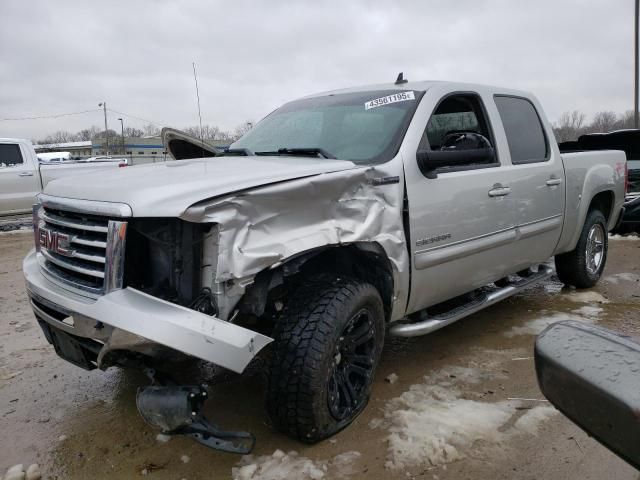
59,57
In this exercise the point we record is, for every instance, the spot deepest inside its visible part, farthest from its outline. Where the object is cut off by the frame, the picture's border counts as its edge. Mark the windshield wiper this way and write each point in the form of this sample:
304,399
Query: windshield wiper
315,151
238,151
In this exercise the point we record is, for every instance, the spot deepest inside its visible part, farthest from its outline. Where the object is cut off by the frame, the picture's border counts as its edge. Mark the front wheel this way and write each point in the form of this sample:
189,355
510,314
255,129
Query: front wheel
327,345
583,266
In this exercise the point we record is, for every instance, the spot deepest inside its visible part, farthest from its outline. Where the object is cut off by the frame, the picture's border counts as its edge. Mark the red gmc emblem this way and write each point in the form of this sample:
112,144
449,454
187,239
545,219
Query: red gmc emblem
55,242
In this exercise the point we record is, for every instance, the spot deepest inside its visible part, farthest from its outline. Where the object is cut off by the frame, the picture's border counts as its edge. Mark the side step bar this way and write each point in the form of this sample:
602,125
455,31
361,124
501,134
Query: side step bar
436,322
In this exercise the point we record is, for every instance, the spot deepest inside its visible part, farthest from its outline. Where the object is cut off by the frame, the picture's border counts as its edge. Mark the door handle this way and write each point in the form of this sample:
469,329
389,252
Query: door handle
25,174
499,191
552,182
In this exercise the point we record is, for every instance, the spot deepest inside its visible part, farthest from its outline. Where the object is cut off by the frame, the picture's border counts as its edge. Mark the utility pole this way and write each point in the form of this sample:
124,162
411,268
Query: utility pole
106,129
122,130
635,73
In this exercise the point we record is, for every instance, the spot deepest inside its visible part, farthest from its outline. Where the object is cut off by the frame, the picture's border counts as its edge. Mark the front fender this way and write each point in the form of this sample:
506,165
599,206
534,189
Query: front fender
263,227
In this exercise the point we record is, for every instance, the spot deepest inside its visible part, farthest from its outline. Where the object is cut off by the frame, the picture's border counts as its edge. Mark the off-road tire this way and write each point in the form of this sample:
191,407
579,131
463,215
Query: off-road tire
571,267
311,330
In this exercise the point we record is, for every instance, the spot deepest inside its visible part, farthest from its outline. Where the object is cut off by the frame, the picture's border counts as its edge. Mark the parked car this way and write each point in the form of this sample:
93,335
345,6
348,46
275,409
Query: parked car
22,176
629,142
337,219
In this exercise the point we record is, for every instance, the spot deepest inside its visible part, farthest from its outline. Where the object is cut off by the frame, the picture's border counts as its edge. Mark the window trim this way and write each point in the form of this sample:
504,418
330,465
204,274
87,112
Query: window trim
492,137
547,146
21,152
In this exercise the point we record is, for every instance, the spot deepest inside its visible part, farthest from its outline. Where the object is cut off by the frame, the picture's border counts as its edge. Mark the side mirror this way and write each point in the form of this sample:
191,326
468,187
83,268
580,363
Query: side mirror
430,160
592,375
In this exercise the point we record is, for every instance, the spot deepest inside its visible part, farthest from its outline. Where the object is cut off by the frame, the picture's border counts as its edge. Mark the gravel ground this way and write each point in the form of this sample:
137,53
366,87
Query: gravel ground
442,405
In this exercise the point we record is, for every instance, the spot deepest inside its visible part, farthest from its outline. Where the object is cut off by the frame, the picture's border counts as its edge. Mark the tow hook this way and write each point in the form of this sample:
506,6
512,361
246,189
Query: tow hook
177,410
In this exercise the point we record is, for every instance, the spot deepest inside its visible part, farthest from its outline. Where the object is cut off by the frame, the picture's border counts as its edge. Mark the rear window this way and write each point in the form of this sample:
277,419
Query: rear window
522,125
10,154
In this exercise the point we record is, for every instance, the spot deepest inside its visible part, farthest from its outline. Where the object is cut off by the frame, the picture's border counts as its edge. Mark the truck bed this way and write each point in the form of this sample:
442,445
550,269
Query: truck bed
589,171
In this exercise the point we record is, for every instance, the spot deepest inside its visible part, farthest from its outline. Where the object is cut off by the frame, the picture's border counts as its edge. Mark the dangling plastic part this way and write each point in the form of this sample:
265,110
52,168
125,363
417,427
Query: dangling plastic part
177,410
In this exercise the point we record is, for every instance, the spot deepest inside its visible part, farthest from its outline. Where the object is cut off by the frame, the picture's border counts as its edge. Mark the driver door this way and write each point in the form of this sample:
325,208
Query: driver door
462,222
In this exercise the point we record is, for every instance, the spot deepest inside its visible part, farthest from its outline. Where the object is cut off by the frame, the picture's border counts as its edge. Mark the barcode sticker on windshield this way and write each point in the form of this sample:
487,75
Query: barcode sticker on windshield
389,99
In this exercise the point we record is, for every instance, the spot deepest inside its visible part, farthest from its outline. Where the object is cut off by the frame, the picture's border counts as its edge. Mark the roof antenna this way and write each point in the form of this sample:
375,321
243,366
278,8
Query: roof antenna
400,80
195,77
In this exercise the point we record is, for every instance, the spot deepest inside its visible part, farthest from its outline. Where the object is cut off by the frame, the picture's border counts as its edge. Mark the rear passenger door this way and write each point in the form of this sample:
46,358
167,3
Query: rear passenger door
461,219
537,179
19,183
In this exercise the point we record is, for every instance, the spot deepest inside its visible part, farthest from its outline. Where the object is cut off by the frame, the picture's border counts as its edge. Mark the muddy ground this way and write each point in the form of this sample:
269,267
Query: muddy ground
447,416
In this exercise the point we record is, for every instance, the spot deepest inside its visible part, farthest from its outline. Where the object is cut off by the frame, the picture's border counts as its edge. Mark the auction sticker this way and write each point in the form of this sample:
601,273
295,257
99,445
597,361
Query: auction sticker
389,99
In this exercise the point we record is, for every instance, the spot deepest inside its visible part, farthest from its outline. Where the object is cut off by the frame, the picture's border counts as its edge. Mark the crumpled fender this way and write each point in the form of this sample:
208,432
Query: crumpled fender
262,227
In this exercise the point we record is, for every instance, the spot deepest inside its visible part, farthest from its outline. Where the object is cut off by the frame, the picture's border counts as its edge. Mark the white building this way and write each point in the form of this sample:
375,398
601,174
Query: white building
77,149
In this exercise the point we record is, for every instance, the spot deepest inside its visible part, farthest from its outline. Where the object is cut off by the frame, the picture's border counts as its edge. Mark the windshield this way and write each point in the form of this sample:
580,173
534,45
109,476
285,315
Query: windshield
364,127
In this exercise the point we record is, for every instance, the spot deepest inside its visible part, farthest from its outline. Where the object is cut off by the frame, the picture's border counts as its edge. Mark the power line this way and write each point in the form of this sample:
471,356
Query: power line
39,117
161,124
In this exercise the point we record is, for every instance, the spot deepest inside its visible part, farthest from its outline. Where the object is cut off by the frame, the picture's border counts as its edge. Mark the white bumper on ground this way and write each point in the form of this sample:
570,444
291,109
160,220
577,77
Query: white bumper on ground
173,326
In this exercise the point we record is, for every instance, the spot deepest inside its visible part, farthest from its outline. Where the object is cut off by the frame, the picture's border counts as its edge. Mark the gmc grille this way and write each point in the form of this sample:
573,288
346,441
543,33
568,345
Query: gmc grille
83,251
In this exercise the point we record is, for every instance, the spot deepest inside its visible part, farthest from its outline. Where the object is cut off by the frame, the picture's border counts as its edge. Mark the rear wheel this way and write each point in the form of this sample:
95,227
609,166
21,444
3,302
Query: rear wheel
327,345
583,266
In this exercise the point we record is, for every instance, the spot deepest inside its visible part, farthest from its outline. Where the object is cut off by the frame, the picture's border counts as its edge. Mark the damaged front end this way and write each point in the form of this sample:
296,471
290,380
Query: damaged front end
160,306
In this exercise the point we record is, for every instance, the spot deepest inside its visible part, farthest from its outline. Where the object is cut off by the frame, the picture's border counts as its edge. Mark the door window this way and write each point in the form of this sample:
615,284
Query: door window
10,155
459,122
522,125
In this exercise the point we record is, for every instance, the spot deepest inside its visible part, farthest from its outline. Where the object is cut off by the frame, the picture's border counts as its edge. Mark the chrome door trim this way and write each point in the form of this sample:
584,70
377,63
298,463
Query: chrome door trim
453,251
537,227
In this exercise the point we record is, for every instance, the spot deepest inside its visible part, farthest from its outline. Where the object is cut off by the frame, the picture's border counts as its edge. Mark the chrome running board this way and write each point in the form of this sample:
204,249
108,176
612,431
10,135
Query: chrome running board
433,323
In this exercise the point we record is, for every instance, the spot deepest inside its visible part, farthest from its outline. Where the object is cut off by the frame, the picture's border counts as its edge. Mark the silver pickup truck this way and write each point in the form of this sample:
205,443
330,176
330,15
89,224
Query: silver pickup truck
339,218
22,176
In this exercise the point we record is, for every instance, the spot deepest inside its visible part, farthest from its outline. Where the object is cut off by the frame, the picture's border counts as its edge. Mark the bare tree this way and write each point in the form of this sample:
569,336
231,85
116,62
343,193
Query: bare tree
209,132
88,134
133,132
603,122
626,120
242,129
61,136
101,134
569,126
151,130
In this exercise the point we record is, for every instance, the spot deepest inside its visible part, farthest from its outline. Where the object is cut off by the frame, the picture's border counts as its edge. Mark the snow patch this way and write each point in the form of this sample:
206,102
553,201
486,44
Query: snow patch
590,311
625,277
432,422
15,473
537,325
17,231
185,458
162,438
624,237
586,313
530,421
392,378
282,466
586,297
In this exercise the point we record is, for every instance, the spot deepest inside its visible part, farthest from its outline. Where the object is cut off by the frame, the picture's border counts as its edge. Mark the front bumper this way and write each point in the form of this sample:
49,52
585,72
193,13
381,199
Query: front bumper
118,319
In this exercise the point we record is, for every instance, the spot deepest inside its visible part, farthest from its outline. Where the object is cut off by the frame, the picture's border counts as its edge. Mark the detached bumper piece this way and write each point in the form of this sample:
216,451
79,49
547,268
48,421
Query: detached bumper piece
177,410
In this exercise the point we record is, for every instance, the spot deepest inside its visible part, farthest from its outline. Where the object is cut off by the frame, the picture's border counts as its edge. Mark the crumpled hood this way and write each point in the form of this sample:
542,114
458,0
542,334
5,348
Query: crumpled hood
167,189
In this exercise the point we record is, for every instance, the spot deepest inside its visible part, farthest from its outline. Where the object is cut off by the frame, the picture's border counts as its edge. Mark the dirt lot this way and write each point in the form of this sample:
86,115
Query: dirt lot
450,413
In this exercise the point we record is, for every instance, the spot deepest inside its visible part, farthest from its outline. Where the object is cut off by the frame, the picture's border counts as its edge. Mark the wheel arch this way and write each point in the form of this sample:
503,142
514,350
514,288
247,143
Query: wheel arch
366,261
603,200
